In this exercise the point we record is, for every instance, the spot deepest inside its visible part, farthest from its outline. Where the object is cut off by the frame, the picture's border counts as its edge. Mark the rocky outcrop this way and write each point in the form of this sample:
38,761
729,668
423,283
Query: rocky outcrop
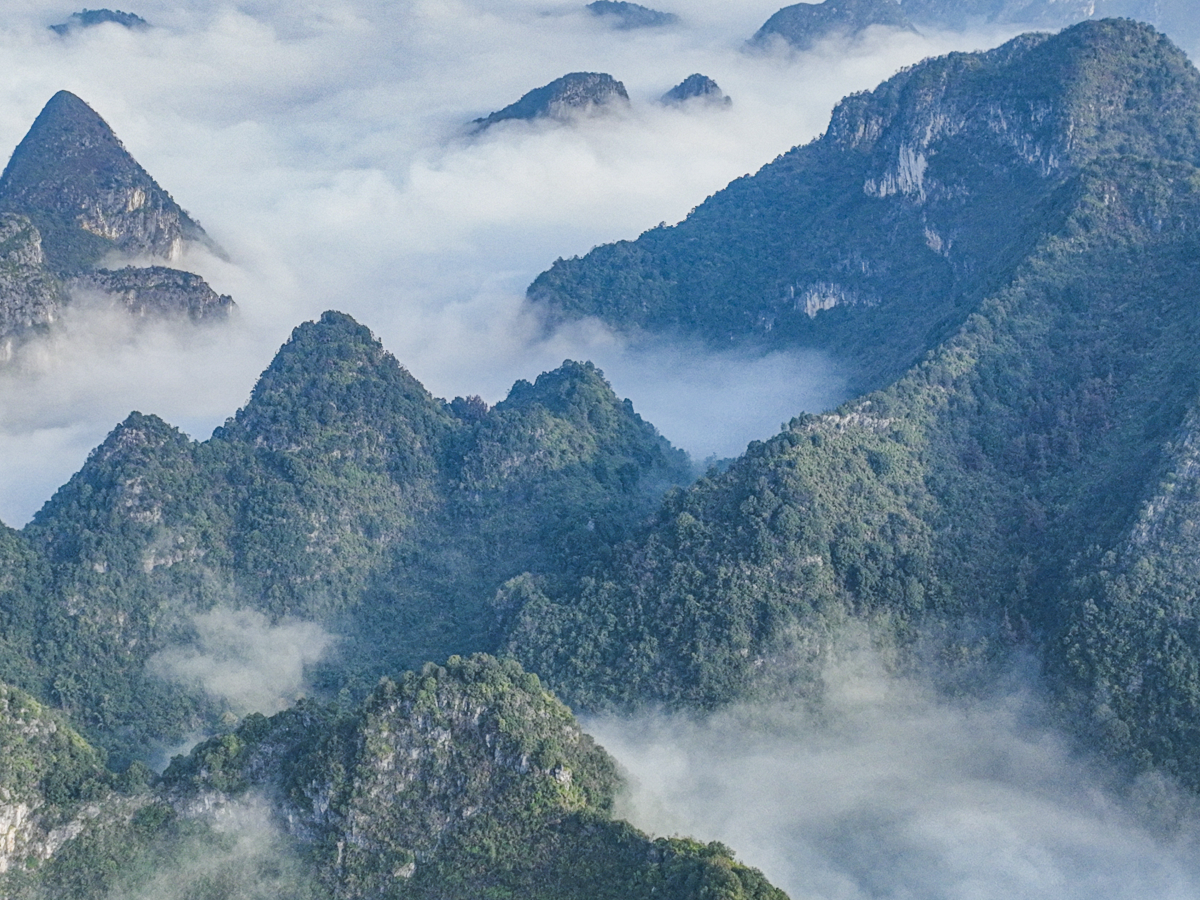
804,25
89,18
29,294
456,781
87,196
48,776
155,290
626,16
696,88
72,195
572,95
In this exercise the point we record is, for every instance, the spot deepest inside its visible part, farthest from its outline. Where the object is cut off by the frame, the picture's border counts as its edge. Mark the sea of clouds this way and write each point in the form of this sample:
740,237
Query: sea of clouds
323,145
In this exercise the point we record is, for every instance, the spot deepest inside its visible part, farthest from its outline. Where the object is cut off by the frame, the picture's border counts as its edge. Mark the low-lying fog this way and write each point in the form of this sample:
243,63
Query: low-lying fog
891,792
322,145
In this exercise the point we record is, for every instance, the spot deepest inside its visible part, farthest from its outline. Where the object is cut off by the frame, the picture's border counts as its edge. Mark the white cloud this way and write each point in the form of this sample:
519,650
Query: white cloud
888,791
241,658
322,144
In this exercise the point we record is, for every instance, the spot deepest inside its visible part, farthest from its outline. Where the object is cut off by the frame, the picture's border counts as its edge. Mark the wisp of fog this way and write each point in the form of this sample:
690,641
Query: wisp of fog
243,659
323,145
886,790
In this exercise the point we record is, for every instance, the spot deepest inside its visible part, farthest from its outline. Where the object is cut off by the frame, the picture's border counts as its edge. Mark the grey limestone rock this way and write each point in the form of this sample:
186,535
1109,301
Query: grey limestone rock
88,197
156,290
29,294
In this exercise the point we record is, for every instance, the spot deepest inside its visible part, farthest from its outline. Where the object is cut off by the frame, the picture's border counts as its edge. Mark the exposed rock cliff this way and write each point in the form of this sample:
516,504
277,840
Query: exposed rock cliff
47,775
156,290
29,294
77,183
458,781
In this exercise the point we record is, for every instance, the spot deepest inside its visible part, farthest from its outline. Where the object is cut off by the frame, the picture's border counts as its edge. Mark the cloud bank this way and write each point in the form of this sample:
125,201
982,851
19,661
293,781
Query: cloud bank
887,791
323,145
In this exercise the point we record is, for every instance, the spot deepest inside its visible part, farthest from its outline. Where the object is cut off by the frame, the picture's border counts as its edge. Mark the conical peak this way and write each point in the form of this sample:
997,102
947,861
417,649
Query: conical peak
67,136
87,195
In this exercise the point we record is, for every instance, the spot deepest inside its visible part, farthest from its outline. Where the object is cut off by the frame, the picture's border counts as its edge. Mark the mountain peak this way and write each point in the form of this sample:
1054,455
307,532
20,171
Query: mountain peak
86,194
696,87
805,24
626,16
574,93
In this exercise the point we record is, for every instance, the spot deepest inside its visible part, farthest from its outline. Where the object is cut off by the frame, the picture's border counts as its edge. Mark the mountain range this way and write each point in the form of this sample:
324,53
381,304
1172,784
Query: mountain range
1000,248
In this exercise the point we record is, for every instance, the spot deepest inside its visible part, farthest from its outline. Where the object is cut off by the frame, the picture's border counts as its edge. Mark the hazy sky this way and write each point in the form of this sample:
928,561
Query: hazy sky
322,144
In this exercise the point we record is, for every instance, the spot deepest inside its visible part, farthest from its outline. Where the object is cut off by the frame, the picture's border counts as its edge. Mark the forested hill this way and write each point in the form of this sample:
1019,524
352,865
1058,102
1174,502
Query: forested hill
459,781
342,494
877,240
1029,484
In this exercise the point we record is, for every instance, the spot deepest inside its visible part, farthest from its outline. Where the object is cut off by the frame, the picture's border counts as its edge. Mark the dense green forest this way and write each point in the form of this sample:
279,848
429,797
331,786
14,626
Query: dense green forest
876,241
343,493
458,781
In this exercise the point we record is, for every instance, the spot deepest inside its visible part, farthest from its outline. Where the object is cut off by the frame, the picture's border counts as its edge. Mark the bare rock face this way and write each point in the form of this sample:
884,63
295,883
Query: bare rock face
573,94
29,294
87,196
156,290
70,196
696,87
804,25
48,775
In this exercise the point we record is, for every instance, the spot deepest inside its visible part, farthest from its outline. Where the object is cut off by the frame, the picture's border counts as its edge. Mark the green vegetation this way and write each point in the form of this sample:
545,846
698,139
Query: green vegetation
343,493
921,200
1029,482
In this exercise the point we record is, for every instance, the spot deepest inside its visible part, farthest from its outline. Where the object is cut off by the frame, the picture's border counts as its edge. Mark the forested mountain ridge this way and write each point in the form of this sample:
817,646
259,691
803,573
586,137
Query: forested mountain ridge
342,493
1029,484
875,241
455,781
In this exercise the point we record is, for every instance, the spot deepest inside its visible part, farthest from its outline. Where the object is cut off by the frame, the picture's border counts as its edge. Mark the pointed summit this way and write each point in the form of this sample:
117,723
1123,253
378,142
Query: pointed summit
87,196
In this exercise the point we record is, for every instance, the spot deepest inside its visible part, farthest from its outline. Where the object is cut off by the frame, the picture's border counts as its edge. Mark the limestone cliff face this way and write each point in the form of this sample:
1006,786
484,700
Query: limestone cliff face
72,176
155,290
29,294
475,745
47,775
70,196
1043,105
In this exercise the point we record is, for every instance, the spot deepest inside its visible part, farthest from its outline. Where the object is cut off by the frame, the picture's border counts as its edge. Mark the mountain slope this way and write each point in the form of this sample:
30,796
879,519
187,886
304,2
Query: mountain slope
1028,484
804,25
574,94
342,494
455,781
86,194
876,241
